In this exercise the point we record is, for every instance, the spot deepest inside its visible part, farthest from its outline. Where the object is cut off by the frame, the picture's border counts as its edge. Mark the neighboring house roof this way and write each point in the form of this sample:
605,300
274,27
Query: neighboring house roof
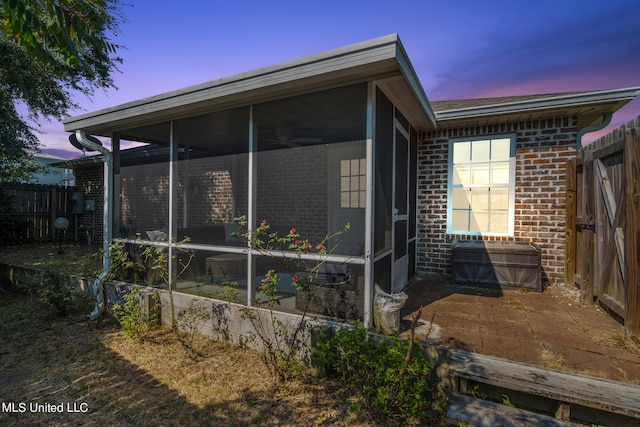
47,157
48,175
131,156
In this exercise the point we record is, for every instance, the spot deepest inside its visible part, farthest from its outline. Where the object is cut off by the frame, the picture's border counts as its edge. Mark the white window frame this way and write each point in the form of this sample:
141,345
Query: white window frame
511,186
353,192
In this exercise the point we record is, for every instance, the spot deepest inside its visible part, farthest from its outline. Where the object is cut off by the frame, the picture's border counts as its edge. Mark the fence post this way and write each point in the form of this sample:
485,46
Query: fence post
570,224
588,217
632,233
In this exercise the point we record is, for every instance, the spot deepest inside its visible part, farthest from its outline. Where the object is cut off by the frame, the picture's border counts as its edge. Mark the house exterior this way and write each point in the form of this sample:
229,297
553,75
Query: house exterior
344,136
48,174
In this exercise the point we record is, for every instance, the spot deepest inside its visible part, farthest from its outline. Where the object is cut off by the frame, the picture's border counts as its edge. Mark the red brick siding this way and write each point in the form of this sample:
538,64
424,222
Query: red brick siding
90,181
542,149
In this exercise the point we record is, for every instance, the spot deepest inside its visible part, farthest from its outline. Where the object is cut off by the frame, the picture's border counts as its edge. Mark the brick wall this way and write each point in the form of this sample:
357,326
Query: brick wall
543,147
292,190
144,197
90,180
210,188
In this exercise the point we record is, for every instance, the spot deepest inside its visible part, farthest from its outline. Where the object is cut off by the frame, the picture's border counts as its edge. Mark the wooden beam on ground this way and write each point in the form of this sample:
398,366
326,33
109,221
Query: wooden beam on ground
570,224
568,388
483,413
632,234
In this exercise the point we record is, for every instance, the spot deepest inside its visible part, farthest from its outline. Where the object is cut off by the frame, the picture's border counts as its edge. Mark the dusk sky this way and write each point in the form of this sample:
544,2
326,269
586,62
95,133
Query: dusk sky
459,48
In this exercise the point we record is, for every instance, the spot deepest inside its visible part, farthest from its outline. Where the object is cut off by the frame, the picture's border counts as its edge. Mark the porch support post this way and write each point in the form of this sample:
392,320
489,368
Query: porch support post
251,211
116,206
369,210
107,225
632,233
173,202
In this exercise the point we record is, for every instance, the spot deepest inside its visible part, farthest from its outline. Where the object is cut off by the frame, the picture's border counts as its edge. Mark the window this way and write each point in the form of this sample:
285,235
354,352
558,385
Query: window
353,183
481,186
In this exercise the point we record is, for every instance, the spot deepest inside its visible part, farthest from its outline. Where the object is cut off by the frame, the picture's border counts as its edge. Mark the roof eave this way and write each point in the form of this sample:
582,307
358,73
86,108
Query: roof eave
615,97
376,59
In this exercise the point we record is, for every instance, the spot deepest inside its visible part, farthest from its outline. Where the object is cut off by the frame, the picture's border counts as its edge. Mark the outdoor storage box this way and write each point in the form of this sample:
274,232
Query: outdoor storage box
506,265
341,299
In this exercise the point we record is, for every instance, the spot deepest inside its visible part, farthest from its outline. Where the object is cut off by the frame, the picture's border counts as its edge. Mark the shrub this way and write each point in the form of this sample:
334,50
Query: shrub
55,289
284,344
136,324
395,386
188,325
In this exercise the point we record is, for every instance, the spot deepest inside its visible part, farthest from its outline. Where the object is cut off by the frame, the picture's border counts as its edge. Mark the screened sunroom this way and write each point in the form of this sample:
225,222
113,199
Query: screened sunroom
310,145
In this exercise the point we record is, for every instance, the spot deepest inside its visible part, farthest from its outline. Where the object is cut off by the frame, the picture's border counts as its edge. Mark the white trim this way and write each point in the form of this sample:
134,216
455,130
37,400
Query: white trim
404,261
252,206
511,185
369,208
173,201
562,101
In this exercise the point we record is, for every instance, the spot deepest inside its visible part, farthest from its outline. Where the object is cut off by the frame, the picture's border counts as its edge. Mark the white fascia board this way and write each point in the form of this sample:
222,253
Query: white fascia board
414,83
552,102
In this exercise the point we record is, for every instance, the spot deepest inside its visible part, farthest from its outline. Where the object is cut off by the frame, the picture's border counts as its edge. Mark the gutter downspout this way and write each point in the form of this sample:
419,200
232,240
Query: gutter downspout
606,119
98,288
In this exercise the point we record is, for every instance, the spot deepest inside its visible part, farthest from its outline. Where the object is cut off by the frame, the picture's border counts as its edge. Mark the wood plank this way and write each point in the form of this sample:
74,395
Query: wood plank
608,149
632,233
619,239
612,396
53,209
607,193
477,412
577,280
570,223
588,216
615,242
601,223
612,304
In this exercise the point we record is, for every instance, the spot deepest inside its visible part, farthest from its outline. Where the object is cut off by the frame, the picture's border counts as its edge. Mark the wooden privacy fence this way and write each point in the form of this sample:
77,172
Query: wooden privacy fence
603,223
39,206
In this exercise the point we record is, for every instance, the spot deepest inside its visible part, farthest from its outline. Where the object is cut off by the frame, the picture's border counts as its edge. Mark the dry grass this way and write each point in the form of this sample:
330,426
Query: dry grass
49,360
44,359
512,302
553,360
612,339
75,259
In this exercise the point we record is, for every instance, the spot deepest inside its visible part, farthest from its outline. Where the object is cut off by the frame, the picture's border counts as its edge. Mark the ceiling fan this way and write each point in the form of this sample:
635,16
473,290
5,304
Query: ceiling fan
284,138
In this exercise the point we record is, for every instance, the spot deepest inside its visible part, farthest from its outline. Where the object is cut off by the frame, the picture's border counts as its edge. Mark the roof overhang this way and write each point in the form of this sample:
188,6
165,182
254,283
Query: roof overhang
383,60
588,107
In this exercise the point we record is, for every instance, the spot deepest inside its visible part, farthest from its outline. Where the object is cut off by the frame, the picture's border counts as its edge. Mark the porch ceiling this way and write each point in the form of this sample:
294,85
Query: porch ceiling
383,60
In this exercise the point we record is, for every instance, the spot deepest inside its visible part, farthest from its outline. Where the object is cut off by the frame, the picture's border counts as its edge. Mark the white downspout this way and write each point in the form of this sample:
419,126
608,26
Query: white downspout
606,119
106,221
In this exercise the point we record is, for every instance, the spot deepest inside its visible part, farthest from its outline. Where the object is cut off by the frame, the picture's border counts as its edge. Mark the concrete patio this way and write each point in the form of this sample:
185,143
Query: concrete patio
549,329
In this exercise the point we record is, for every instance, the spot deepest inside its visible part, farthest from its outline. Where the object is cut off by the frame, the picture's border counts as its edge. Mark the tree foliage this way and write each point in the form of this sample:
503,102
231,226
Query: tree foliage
49,49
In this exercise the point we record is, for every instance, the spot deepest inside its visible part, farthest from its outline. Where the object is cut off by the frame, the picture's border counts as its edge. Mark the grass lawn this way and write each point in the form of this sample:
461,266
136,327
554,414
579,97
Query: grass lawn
117,381
97,376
